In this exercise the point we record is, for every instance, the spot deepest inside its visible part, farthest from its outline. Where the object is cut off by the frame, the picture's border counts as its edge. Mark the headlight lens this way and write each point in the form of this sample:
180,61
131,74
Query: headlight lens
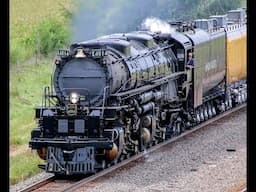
74,97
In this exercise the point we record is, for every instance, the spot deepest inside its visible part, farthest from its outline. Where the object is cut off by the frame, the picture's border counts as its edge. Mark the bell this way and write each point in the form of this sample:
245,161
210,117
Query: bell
80,54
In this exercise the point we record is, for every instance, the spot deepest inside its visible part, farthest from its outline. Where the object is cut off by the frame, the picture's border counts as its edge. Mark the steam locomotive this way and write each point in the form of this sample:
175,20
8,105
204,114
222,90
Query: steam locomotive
120,94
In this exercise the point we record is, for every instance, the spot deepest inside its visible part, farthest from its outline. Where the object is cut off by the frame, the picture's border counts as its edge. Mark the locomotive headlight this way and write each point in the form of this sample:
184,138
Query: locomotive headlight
74,98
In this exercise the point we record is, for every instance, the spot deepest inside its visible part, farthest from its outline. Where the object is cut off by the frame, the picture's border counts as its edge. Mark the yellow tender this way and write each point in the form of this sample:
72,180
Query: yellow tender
236,53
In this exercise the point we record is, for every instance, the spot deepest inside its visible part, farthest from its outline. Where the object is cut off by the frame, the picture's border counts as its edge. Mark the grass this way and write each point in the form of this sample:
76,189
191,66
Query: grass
26,84
23,166
26,17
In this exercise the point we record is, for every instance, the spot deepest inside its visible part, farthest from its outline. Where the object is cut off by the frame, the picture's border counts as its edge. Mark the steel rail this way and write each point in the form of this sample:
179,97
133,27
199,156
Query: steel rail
38,184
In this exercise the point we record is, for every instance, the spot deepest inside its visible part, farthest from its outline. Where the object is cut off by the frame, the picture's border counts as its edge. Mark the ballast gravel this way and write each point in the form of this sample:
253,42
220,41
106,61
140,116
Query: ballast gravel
210,160
30,181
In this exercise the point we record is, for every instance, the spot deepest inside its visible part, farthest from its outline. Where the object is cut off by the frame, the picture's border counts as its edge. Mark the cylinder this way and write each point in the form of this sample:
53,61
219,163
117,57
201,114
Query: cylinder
147,107
158,95
145,97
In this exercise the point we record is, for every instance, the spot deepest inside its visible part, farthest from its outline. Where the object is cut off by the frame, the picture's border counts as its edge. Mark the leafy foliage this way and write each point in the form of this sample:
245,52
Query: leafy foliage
50,35
218,7
25,20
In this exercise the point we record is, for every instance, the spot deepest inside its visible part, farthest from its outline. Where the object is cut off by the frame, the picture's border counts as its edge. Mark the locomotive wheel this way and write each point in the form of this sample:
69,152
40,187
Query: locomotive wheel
177,129
209,110
197,117
115,162
230,101
239,98
205,112
201,115
213,110
243,97
127,156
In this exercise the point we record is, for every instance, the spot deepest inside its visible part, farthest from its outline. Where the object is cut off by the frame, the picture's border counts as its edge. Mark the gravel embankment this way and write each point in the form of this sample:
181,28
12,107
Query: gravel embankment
29,181
211,160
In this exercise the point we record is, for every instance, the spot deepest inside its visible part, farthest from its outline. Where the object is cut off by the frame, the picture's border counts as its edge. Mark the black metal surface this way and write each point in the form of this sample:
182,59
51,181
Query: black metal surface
95,142
69,126
93,126
35,133
119,44
76,161
143,64
83,76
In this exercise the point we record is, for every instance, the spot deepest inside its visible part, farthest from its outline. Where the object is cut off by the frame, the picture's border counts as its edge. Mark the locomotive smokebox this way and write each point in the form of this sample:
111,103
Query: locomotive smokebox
83,76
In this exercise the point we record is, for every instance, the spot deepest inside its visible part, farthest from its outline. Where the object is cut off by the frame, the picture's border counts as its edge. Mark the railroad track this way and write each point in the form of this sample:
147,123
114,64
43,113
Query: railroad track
39,184
55,184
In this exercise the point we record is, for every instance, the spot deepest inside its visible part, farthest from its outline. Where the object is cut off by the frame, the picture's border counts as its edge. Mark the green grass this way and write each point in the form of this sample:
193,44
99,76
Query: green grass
24,15
26,88
30,20
23,166
26,18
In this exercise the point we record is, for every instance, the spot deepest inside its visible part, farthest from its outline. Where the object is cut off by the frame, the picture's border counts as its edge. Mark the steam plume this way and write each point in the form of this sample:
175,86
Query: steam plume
94,18
156,25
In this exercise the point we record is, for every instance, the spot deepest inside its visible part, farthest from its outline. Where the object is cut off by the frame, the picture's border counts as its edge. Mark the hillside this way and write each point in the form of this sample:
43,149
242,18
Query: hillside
28,78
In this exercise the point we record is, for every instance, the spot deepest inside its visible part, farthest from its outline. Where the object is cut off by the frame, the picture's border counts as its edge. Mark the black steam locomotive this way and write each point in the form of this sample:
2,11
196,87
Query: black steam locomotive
119,94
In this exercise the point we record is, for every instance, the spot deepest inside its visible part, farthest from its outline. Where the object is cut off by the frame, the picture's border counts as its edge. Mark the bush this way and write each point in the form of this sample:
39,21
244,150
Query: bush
51,34
47,36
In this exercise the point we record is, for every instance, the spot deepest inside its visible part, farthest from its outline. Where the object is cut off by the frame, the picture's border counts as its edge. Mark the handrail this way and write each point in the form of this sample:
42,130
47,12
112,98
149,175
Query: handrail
104,98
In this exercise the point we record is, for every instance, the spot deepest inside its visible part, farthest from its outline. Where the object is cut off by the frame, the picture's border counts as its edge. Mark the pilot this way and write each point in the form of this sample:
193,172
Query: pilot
190,63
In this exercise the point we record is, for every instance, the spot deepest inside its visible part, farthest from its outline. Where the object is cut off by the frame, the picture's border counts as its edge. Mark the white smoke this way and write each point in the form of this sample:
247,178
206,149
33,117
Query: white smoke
156,25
